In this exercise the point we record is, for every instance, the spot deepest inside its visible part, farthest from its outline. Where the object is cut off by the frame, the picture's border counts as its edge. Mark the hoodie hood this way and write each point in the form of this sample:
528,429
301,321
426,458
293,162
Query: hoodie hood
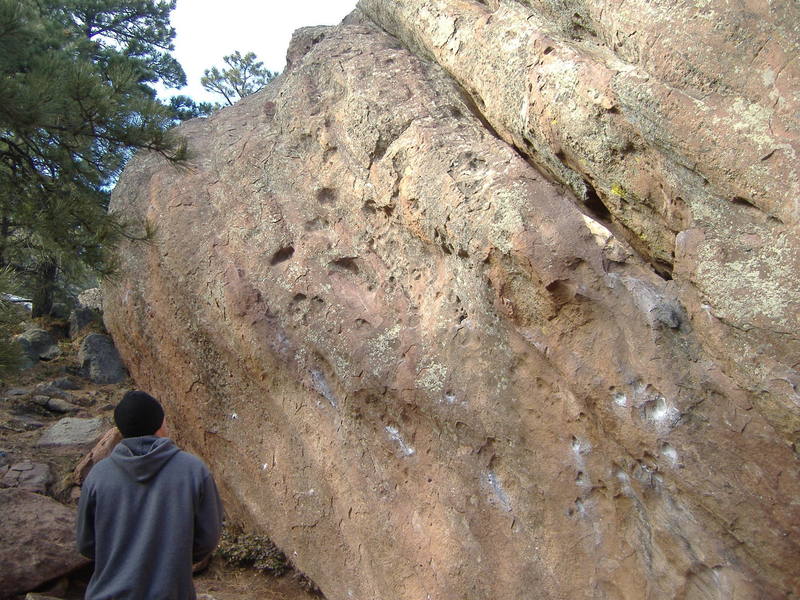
141,458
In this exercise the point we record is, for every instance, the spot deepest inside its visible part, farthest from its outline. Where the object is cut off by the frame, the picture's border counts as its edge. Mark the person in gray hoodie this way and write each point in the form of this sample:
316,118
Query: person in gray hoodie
147,512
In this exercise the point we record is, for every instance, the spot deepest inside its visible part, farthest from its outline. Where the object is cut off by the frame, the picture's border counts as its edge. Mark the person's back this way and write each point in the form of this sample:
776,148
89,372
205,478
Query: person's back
145,513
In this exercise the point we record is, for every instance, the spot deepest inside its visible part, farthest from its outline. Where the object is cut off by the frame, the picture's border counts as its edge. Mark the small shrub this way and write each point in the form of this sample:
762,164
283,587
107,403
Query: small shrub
251,550
304,582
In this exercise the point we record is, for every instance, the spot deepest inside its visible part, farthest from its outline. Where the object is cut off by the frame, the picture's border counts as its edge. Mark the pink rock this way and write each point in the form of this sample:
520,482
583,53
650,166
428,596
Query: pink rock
101,450
480,309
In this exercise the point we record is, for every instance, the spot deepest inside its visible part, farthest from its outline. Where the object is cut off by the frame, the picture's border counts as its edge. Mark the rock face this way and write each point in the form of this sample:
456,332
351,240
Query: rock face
507,302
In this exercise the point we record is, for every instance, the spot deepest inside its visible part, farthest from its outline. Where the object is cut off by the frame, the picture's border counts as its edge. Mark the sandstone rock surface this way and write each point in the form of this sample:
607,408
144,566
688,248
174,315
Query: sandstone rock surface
101,450
491,306
37,541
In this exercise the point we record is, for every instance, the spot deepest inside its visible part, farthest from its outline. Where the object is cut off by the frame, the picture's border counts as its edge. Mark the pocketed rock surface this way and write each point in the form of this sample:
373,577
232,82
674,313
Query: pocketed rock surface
487,307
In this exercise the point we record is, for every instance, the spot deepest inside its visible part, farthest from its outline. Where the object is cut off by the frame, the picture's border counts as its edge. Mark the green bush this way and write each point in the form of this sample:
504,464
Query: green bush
251,550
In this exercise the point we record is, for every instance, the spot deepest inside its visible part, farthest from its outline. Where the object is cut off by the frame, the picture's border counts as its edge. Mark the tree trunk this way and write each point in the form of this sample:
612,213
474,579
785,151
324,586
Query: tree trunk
5,230
44,288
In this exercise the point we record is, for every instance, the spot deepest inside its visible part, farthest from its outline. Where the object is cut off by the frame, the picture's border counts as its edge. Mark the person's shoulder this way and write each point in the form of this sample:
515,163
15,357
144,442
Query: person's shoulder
98,472
102,465
189,460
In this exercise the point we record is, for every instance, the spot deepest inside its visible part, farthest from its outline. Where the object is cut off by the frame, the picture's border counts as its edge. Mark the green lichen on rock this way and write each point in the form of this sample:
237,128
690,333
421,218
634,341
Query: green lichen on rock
619,191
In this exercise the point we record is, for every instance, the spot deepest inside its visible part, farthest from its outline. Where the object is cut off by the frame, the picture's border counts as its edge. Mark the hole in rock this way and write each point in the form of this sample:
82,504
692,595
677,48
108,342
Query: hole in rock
663,269
316,224
380,149
282,255
348,263
742,201
326,195
561,291
596,207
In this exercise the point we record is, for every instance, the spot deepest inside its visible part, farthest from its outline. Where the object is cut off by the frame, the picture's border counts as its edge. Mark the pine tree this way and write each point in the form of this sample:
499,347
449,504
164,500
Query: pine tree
185,108
244,76
75,102
10,316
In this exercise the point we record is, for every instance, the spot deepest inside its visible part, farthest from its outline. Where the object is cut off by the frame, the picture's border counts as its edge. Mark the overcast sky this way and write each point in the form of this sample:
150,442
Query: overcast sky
208,30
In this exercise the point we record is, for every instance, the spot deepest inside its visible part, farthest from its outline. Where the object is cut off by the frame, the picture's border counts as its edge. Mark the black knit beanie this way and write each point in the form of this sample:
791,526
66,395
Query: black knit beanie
138,414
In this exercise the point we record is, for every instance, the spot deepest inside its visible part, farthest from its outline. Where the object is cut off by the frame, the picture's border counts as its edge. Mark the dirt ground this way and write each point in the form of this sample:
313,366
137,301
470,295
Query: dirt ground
224,582
22,422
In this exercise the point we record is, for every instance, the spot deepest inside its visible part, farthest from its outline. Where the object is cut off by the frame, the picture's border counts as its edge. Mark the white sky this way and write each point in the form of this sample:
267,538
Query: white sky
207,30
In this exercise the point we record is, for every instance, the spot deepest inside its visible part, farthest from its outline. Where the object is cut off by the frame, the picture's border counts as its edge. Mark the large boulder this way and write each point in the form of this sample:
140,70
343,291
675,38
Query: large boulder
428,369
91,298
37,344
100,361
88,311
37,541
72,431
82,317
677,125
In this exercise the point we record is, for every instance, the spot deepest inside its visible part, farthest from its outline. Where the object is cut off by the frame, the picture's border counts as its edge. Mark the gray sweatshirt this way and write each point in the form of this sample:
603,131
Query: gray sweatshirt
145,513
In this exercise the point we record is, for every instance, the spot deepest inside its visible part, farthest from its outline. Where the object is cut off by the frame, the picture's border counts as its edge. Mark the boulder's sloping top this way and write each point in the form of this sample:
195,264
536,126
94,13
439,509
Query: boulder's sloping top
427,368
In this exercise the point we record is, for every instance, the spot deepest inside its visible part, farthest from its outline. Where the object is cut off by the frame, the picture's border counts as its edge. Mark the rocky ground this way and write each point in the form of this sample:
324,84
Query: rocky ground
50,417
